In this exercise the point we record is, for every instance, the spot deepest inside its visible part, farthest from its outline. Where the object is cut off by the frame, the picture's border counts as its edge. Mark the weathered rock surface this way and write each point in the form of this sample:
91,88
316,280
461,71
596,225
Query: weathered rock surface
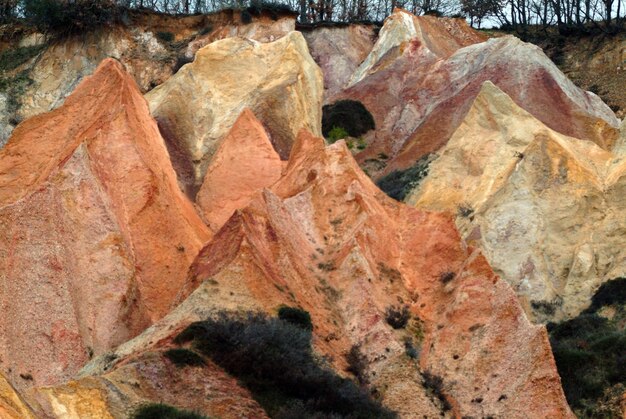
11,404
278,81
339,50
97,236
147,378
228,24
440,37
419,96
545,208
243,165
325,238
62,66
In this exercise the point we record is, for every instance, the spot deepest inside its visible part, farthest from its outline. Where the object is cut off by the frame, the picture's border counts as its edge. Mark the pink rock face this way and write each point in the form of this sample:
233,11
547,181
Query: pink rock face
244,164
326,239
96,236
418,93
339,51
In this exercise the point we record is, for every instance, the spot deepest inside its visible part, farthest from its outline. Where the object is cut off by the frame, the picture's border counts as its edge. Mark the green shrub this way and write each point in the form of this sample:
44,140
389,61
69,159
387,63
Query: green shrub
61,18
296,316
464,210
434,384
357,363
164,411
446,277
182,357
610,293
206,30
336,134
590,353
13,58
275,10
274,360
165,36
397,317
399,183
350,115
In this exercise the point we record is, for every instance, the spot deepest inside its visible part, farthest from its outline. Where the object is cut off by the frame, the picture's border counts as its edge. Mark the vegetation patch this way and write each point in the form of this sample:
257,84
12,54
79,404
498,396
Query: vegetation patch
296,316
164,411
182,357
590,354
350,115
399,183
273,358
67,18
13,58
165,36
336,134
434,385
397,317
14,88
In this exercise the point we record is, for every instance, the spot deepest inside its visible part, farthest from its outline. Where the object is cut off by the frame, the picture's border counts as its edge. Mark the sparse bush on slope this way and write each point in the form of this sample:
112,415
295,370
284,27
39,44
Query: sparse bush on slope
399,183
590,353
164,411
273,358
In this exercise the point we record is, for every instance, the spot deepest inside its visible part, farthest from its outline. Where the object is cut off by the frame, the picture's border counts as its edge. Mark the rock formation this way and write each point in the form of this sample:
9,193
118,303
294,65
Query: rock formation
278,81
147,378
326,239
545,208
419,91
60,67
243,165
11,404
97,235
228,24
339,50
439,38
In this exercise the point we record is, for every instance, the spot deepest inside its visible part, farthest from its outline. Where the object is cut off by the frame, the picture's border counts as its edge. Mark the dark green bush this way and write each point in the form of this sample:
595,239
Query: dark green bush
336,134
296,316
350,115
64,18
182,357
164,411
590,352
610,293
165,36
434,384
397,317
13,58
246,17
399,183
274,360
274,9
357,363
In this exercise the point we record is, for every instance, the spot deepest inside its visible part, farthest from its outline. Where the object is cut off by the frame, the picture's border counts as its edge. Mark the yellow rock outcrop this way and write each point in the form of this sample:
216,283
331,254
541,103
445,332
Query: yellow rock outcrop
545,208
278,81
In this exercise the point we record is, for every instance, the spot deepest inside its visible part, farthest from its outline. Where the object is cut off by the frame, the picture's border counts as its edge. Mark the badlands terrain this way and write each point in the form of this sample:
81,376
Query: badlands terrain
250,220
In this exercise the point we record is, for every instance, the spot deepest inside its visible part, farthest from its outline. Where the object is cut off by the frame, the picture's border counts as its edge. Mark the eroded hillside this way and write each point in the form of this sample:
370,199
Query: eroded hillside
174,208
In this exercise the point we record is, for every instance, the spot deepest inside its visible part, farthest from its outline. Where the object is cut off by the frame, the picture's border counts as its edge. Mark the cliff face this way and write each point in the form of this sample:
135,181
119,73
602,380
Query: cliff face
105,259
87,260
543,206
287,86
418,89
326,239
53,73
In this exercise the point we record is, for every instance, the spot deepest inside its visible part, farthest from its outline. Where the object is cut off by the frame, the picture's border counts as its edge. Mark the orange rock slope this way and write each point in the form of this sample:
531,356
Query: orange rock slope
97,236
244,163
326,239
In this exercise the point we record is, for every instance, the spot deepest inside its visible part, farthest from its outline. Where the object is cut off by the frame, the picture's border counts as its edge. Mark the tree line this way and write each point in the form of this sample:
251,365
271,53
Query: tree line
606,15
